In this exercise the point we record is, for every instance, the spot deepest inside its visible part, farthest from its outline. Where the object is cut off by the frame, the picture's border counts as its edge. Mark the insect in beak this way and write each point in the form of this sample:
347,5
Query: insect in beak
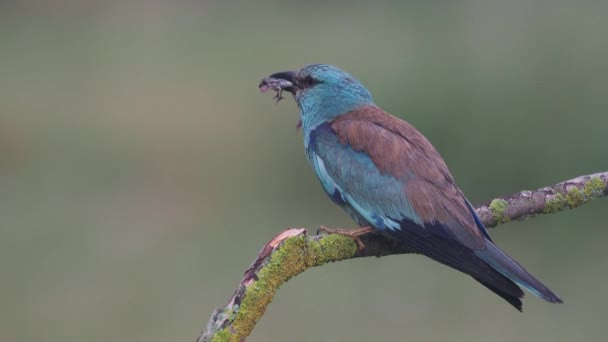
276,84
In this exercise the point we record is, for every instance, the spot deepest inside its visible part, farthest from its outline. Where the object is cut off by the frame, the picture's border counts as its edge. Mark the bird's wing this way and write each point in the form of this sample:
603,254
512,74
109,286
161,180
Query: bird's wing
388,172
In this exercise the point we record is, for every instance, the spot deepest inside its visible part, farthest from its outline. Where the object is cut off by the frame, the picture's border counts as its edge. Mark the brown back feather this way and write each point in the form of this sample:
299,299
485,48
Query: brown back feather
398,149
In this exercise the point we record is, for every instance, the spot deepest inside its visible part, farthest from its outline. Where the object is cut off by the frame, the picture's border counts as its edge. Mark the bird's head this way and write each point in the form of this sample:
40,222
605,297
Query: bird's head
322,92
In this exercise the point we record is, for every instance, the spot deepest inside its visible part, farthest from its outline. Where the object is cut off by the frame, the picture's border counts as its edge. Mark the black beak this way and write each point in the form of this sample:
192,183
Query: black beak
285,75
284,80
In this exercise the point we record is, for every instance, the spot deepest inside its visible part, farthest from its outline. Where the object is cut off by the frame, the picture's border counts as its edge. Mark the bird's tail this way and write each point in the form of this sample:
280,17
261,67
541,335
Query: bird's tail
511,269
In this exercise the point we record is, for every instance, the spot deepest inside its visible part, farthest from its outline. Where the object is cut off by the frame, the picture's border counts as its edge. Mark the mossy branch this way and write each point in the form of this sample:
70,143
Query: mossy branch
569,194
292,251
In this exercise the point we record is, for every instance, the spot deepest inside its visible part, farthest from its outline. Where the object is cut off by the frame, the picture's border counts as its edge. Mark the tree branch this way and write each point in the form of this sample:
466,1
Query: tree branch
292,252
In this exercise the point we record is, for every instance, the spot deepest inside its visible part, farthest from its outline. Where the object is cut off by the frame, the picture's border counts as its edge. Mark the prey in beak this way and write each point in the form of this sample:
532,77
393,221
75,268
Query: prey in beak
279,82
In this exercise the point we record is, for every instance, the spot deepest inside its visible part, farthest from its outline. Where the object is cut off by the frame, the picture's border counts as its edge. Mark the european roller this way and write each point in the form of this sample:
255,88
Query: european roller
390,178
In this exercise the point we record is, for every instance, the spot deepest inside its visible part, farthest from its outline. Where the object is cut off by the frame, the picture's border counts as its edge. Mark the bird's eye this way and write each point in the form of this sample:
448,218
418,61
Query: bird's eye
308,82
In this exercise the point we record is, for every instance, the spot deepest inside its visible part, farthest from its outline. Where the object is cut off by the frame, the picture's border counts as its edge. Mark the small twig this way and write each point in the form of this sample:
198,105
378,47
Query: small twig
292,251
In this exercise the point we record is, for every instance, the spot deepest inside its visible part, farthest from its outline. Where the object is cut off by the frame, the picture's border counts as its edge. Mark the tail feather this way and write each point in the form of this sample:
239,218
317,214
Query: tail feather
491,267
513,299
511,269
455,255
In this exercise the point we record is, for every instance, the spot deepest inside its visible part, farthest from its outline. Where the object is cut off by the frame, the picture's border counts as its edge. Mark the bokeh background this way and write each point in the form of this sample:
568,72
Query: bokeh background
141,170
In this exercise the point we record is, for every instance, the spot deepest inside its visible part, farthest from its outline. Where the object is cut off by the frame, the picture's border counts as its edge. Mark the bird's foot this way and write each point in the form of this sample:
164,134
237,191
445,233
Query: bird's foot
351,233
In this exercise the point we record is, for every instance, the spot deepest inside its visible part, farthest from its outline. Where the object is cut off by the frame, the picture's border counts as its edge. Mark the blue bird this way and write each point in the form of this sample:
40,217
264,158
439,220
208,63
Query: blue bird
389,177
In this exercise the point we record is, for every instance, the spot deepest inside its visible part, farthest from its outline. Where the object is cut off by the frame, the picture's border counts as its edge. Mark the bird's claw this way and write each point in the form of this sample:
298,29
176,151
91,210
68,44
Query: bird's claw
351,233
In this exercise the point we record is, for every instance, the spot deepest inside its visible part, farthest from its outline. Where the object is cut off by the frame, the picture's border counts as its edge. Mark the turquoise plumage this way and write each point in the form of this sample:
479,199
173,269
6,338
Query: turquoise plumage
388,176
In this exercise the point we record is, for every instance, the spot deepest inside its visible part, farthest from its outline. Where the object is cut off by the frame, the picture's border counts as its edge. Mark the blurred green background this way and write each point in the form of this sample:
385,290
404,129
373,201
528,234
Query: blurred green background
141,170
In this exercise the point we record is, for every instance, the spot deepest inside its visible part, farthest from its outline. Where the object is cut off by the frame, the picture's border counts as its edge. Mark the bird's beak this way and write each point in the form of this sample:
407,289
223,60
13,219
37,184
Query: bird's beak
284,80
285,75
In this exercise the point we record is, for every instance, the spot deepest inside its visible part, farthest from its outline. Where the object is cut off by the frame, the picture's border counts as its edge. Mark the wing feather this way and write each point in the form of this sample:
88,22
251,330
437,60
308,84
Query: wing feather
388,172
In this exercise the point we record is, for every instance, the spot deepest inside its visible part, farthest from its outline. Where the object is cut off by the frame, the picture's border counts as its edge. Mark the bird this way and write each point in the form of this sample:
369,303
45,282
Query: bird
390,179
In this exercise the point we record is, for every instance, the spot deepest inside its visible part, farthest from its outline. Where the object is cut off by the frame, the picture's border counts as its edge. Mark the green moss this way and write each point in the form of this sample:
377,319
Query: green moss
594,188
575,197
558,203
334,248
292,258
221,336
282,265
498,208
